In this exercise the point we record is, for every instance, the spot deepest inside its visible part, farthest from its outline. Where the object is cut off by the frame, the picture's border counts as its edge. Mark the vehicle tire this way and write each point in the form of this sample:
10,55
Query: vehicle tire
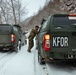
19,45
16,50
40,60
25,41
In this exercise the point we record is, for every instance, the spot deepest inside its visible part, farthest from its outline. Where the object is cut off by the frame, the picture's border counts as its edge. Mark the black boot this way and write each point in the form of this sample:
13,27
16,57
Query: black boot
29,51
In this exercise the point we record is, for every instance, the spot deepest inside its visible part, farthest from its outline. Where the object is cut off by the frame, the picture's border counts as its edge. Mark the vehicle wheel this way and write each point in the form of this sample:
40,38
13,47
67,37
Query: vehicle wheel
40,60
20,46
16,50
25,41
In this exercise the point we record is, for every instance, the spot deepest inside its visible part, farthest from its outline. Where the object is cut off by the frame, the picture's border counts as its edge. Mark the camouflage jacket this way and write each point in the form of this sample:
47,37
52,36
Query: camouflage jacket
32,34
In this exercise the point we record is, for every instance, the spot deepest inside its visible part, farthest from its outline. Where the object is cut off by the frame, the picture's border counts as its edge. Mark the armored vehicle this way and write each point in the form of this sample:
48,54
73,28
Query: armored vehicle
56,39
9,37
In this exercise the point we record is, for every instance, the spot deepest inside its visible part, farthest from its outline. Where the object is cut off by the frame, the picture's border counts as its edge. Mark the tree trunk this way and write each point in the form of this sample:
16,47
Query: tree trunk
13,12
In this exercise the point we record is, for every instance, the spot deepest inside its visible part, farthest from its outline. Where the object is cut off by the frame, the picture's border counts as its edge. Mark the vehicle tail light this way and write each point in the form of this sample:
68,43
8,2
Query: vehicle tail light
12,38
72,15
46,42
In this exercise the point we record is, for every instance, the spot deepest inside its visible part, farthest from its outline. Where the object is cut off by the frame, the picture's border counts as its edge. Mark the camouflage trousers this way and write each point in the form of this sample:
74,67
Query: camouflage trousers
30,44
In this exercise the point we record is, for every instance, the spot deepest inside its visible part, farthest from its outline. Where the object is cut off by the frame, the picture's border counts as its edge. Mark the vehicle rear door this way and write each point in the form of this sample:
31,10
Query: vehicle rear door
63,33
5,34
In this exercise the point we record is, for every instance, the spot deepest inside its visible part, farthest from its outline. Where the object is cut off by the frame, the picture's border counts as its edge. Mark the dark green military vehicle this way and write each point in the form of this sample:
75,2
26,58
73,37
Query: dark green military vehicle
21,35
9,37
57,39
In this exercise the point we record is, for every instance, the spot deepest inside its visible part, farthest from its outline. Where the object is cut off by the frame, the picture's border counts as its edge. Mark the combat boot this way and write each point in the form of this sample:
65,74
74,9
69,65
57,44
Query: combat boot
29,51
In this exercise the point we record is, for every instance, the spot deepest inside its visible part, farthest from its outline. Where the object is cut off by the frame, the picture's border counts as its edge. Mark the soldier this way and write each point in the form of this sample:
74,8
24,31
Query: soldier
31,37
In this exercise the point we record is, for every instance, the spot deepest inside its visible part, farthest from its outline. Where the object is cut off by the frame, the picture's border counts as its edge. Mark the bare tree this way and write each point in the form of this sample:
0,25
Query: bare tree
13,8
0,12
20,11
11,11
4,14
0,2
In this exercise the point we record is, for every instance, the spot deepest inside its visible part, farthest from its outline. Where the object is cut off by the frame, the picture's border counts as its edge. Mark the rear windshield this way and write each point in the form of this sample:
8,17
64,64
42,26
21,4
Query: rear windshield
5,29
66,20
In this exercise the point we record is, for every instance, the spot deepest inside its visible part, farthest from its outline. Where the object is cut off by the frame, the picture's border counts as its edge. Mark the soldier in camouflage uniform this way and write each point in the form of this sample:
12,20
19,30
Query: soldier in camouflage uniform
31,37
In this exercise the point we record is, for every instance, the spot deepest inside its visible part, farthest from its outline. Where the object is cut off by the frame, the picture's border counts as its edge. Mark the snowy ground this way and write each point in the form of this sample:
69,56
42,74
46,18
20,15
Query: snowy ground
24,63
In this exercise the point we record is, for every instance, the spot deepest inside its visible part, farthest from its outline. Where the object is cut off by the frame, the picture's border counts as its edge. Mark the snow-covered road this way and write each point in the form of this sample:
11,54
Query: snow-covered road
24,63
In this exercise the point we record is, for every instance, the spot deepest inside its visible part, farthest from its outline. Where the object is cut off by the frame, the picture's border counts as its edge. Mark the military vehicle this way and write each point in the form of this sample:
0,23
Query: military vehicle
56,39
9,38
22,35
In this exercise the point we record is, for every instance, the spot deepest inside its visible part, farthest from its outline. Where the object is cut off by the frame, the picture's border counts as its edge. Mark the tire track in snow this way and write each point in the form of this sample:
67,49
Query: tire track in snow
3,54
60,69
39,69
5,61
34,63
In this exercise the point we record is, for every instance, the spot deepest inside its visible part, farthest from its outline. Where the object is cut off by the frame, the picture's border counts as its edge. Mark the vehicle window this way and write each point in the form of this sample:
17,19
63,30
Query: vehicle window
66,20
5,29
15,29
44,25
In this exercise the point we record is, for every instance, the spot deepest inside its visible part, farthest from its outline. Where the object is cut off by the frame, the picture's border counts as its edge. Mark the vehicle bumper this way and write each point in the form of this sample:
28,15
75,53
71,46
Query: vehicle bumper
61,57
6,47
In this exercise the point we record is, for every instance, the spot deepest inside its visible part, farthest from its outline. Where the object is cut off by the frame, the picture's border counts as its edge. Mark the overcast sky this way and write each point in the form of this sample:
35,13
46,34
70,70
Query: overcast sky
33,6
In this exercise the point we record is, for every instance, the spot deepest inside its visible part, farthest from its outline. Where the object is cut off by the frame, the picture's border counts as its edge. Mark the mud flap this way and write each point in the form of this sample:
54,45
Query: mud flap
41,60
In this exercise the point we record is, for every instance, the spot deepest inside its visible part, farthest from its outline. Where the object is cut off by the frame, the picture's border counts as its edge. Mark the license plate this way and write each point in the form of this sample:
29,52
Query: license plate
60,41
5,48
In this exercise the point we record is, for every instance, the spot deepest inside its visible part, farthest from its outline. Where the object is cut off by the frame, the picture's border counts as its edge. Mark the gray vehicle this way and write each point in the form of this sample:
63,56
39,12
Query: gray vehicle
24,41
56,39
21,35
9,37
